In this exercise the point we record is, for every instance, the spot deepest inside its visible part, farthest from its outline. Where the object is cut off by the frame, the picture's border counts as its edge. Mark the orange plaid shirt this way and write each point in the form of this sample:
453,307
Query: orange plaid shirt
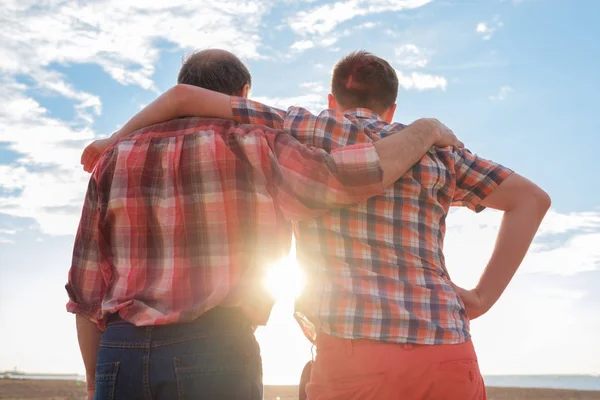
376,270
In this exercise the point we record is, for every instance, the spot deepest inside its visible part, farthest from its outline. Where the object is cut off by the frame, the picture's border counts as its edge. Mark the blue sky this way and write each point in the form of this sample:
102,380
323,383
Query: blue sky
517,80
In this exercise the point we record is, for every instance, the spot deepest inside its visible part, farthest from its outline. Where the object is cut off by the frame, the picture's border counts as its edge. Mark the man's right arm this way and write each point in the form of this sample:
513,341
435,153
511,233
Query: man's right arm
310,181
187,100
86,284
524,205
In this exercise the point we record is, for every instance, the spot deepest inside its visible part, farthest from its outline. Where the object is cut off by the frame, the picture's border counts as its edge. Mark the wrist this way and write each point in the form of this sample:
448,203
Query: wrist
485,301
424,130
435,135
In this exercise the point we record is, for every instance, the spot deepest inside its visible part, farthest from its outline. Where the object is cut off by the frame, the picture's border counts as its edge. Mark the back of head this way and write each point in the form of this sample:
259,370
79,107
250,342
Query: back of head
217,70
363,80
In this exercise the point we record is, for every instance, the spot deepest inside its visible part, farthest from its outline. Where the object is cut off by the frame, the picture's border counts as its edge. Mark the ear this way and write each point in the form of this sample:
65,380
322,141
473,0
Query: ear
388,115
245,91
331,103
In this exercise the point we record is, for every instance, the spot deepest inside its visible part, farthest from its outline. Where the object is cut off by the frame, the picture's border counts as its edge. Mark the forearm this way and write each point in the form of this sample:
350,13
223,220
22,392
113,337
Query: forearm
309,181
517,230
349,174
179,101
399,152
88,336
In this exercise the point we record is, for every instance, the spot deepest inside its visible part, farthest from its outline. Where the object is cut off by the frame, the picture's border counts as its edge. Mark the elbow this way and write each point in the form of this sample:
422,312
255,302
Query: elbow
179,96
541,200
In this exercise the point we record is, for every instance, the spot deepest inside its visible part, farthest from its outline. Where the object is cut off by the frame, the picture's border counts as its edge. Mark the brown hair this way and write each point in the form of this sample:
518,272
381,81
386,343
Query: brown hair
362,79
217,70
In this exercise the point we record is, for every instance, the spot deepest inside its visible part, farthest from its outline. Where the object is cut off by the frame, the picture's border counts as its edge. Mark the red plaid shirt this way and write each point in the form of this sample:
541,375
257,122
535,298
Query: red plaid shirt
376,270
183,216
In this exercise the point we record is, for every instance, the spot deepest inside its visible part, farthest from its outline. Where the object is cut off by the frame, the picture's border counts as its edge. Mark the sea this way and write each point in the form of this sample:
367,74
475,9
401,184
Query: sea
571,382
62,377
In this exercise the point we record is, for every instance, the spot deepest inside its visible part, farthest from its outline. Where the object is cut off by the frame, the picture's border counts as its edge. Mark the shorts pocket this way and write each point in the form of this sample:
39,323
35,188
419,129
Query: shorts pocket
106,380
461,369
215,376
458,380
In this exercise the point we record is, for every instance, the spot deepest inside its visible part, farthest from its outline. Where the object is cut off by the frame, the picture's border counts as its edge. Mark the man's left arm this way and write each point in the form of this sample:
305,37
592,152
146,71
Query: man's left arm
482,183
86,285
309,181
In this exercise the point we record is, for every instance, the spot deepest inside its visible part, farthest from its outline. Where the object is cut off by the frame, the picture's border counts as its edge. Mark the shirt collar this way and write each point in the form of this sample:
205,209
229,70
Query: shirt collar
363,113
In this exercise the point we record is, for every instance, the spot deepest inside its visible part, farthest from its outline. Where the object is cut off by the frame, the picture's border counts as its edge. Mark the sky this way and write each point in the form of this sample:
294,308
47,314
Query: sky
517,81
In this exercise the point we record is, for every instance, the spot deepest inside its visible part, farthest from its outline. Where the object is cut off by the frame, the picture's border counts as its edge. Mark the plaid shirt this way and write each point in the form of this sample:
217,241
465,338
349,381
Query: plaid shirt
183,216
376,270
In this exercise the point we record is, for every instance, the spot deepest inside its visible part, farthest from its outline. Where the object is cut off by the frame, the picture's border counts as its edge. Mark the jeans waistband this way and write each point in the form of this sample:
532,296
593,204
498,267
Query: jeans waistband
219,320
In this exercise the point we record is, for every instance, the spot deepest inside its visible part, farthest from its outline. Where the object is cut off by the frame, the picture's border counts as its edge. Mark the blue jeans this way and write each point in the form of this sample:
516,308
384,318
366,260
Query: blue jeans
214,357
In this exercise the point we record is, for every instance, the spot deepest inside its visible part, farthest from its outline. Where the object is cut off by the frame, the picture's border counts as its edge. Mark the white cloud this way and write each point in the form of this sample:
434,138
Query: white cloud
557,223
11,178
314,98
46,182
367,25
564,245
325,18
481,27
409,55
121,36
502,94
329,39
302,45
420,81
487,29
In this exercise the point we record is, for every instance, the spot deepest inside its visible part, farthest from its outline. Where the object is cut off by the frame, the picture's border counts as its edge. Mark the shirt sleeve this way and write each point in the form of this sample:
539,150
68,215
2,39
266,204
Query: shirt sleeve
476,178
309,181
251,112
328,130
86,283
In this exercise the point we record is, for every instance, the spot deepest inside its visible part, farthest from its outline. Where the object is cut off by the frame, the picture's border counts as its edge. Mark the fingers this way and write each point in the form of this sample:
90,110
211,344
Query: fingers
90,163
89,158
455,141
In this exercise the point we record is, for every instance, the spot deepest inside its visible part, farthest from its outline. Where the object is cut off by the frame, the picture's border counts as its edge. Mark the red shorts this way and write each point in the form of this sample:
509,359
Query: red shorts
346,369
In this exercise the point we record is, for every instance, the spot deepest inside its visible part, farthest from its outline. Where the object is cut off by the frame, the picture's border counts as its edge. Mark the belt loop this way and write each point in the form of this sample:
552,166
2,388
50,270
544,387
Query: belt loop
348,347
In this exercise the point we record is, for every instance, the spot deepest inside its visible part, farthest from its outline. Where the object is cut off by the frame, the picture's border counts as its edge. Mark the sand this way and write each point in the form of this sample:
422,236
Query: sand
15,389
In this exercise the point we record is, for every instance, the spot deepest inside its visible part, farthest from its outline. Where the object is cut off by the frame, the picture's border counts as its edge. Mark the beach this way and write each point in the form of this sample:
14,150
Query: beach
17,389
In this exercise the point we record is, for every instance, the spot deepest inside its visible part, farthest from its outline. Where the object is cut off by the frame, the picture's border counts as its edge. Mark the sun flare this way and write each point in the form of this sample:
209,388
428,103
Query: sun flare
285,279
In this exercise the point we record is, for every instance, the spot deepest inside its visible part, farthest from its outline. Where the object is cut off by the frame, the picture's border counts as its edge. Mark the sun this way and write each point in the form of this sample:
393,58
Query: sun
285,279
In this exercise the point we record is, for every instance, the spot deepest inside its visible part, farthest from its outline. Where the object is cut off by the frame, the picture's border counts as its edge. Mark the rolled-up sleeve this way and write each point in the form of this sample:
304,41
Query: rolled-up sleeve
309,181
476,178
86,283
251,112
